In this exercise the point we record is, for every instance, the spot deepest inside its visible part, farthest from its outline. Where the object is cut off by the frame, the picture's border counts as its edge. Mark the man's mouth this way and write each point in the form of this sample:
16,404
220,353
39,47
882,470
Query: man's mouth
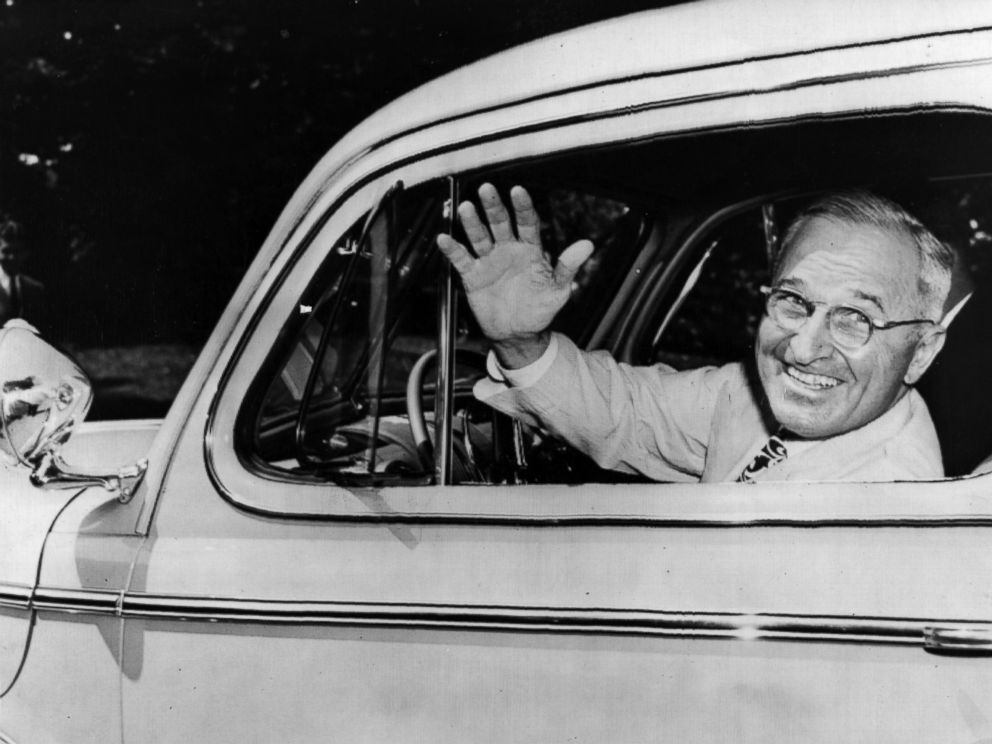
810,380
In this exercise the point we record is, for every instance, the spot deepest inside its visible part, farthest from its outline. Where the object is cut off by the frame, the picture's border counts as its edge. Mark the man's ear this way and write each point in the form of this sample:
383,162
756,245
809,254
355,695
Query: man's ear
927,348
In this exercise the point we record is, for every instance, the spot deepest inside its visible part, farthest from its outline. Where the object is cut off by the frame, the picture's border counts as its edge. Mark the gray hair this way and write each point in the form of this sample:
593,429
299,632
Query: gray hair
858,207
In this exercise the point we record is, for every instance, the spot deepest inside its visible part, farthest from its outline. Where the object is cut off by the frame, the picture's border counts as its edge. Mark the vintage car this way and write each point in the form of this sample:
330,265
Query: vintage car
329,538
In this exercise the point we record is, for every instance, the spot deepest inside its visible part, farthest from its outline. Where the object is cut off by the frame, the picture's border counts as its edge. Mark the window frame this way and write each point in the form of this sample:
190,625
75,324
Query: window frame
721,504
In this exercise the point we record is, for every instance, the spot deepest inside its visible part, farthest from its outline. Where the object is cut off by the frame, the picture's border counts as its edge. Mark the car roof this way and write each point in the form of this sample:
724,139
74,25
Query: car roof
682,37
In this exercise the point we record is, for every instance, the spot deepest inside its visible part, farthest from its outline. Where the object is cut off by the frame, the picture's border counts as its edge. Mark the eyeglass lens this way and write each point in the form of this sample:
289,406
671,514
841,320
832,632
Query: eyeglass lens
848,327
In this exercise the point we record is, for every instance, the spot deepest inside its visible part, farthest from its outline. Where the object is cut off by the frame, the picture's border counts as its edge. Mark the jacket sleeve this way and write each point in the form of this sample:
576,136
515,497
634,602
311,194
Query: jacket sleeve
648,420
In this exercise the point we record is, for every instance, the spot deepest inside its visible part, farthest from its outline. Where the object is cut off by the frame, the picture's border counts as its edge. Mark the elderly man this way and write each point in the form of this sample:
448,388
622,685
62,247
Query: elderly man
851,323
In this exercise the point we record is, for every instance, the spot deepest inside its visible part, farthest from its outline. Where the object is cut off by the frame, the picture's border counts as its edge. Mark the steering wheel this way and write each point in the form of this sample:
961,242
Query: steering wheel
415,410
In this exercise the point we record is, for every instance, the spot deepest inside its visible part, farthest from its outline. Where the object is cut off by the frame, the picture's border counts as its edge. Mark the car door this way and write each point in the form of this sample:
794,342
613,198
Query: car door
307,576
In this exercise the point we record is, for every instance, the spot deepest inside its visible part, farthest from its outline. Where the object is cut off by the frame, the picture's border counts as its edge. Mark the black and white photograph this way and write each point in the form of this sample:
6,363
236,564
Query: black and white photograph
536,371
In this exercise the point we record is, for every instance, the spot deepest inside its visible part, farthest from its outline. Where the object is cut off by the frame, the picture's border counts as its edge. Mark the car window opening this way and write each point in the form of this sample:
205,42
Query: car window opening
352,416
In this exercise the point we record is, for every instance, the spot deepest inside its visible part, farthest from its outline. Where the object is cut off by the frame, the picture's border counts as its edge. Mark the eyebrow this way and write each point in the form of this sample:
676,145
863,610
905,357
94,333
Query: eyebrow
792,283
874,299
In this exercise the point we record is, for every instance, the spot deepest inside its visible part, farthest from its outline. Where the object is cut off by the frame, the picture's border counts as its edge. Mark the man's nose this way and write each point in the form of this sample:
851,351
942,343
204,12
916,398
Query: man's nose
812,340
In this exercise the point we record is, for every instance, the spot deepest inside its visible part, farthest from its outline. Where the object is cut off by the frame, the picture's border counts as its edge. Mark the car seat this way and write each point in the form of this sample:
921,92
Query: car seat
958,386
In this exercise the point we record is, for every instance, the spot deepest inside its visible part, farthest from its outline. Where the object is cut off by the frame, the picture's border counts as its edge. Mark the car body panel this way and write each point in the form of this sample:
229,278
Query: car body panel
425,685
523,622
28,534
111,444
27,516
530,619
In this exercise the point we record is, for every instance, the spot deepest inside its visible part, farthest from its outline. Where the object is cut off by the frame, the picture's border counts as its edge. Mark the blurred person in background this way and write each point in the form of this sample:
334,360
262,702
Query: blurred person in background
20,295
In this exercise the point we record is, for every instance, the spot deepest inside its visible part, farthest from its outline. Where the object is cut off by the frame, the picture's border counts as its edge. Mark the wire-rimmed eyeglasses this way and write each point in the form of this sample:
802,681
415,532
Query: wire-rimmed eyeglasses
848,326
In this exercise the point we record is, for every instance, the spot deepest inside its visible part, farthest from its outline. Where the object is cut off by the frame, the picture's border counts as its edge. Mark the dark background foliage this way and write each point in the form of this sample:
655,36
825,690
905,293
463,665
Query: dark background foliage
149,145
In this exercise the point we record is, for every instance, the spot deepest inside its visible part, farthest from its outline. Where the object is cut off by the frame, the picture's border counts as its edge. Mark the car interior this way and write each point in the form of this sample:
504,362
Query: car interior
685,227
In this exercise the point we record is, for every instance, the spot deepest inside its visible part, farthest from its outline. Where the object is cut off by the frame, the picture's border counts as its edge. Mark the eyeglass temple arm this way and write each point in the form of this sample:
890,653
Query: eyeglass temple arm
884,326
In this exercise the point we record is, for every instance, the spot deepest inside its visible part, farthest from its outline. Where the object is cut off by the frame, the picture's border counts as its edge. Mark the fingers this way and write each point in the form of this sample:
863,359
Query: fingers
476,232
571,260
455,252
499,218
498,226
528,223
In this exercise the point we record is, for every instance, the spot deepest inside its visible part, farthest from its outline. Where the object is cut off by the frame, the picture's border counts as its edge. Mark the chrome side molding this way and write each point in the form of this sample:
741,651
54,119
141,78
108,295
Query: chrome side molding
958,641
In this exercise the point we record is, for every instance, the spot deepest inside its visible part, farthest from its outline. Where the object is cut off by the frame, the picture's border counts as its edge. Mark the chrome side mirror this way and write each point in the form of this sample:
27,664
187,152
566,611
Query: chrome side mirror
43,396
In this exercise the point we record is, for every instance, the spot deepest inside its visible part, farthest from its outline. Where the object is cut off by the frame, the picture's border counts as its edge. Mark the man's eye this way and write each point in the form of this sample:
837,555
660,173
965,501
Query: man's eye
792,306
852,322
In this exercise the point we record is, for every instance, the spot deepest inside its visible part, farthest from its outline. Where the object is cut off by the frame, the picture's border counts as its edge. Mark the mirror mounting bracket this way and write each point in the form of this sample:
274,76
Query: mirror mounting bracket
51,472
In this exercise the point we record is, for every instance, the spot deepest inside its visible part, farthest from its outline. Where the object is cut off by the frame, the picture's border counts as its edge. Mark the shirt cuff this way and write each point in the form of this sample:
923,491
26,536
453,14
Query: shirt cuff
524,376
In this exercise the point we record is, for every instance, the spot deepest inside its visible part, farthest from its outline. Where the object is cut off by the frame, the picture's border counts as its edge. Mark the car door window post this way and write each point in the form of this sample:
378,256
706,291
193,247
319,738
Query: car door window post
446,324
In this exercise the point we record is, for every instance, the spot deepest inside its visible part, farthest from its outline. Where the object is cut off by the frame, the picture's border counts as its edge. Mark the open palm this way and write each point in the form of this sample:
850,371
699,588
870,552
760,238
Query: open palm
511,286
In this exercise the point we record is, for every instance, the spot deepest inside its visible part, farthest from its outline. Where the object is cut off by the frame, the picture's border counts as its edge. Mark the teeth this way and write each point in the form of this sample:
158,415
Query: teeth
817,381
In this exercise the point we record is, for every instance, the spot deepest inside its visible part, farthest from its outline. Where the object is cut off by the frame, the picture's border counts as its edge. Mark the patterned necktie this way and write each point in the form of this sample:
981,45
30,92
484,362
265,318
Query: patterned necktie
771,454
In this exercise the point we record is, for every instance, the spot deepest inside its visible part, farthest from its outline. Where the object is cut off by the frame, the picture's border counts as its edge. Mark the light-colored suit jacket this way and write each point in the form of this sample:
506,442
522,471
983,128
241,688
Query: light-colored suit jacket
703,425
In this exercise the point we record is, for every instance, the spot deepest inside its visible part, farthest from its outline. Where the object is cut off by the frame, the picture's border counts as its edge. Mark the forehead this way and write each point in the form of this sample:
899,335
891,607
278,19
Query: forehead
830,256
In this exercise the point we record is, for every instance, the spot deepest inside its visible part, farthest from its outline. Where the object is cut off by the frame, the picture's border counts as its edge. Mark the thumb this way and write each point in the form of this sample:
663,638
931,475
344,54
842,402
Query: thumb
571,260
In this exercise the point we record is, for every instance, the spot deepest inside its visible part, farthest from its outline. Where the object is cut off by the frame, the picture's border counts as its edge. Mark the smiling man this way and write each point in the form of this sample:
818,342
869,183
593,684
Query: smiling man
851,323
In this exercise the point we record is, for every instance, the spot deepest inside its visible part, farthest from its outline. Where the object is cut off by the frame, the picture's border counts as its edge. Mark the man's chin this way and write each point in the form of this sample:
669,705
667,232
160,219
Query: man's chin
805,430
808,422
